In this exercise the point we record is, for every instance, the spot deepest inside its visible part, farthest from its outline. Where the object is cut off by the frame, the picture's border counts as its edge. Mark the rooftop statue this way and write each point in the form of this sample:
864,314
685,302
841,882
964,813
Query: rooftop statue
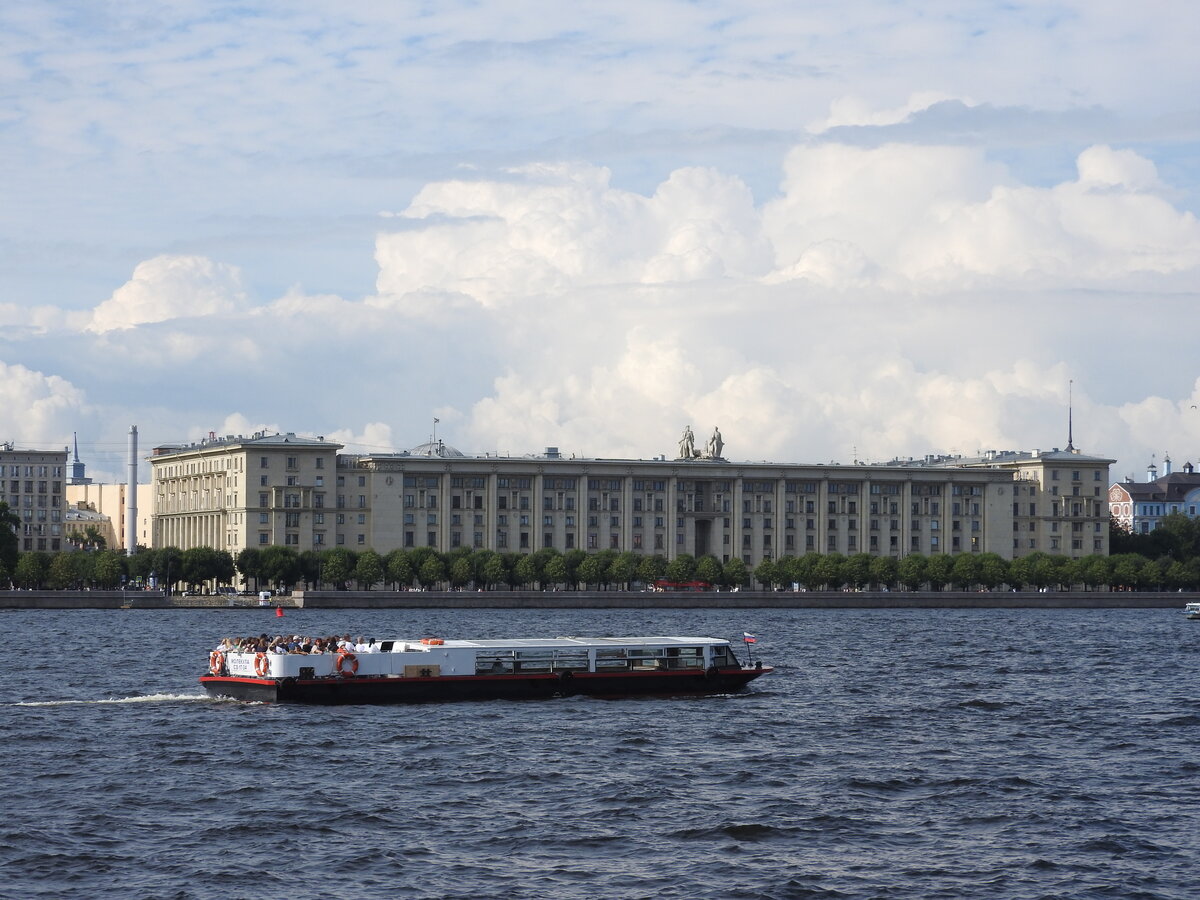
715,444
687,443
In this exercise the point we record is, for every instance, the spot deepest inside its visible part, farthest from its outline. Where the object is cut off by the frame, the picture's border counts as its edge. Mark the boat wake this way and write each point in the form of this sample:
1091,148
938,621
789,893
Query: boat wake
149,698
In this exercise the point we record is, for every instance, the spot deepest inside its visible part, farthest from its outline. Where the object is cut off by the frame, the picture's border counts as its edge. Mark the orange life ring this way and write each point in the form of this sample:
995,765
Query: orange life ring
216,662
432,642
262,665
345,657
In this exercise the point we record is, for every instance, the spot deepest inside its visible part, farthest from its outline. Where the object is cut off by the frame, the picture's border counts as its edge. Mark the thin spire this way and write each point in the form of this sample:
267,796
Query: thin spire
1070,415
75,436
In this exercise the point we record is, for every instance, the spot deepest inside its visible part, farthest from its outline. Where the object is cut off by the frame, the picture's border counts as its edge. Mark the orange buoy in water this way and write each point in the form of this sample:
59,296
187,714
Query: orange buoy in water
279,612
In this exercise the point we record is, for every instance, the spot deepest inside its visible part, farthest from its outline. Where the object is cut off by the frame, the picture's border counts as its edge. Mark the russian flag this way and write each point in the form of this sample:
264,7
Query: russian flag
749,638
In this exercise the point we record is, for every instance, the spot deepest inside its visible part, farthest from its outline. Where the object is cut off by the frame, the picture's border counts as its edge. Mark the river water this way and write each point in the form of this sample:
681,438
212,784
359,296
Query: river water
892,754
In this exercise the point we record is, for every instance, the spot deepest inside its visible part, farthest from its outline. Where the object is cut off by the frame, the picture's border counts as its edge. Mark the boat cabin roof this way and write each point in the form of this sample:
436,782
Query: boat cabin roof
575,642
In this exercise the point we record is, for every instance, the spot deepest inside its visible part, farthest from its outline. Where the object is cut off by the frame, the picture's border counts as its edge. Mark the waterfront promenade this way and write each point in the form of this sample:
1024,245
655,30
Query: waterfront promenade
611,600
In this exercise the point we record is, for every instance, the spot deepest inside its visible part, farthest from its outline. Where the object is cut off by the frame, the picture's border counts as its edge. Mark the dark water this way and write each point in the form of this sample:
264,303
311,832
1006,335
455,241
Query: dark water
914,754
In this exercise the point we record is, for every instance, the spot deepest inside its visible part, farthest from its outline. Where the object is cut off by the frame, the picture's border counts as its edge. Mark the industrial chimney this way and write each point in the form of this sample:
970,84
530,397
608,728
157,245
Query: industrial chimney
131,495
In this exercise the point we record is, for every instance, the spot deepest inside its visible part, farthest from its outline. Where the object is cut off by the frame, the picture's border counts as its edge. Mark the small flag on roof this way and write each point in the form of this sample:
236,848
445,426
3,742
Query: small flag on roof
749,638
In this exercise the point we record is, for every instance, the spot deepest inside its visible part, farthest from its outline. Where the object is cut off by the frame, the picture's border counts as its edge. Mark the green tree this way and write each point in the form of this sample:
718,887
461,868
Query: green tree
911,571
9,542
964,573
556,570
828,570
593,570
708,568
168,565
432,571
992,571
766,573
528,571
884,571
108,567
681,568
399,569
203,564
61,574
141,564
310,569
249,564
337,567
623,569
573,559
495,572
652,568
735,573
1095,571
368,570
1127,569
462,569
280,566
804,570
939,570
32,569
856,570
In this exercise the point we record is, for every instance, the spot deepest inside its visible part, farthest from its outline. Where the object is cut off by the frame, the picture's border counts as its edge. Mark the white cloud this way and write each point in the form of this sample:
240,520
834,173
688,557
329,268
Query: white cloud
37,409
944,217
854,110
170,287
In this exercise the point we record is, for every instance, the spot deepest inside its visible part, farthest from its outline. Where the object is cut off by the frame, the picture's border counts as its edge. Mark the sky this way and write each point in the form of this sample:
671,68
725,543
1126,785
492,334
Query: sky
840,231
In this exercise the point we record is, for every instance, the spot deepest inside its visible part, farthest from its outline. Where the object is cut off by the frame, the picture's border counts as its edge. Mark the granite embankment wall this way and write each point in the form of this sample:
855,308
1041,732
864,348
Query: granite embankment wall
609,600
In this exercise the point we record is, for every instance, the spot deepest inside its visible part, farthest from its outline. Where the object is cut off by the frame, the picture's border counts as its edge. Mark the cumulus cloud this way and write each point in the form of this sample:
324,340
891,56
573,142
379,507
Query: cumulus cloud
170,287
38,409
934,218
547,229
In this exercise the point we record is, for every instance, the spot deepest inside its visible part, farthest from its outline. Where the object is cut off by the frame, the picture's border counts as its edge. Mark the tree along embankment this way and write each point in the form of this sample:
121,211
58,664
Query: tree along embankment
611,600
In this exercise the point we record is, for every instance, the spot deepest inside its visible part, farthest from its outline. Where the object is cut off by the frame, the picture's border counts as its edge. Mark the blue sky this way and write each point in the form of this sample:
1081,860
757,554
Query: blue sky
838,230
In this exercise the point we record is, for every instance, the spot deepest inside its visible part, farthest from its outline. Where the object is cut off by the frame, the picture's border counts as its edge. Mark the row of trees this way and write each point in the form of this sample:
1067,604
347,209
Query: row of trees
283,568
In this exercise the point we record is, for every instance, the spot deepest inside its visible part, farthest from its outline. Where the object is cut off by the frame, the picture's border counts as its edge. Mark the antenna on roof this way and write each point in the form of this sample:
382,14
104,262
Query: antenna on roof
1070,414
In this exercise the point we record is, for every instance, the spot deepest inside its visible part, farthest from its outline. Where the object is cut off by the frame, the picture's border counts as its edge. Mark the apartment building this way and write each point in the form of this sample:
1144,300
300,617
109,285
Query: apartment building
31,483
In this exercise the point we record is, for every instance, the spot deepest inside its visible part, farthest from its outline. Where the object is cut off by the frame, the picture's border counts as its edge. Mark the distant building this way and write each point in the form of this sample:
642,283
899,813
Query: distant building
77,522
1060,503
235,492
1139,507
31,483
109,500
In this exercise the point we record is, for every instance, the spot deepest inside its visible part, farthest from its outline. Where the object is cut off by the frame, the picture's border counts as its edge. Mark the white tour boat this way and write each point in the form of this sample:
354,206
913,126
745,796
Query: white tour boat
433,669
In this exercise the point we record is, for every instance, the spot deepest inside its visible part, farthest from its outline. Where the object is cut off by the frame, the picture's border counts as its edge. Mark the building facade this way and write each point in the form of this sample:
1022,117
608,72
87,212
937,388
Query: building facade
31,483
1060,500
237,492
1139,506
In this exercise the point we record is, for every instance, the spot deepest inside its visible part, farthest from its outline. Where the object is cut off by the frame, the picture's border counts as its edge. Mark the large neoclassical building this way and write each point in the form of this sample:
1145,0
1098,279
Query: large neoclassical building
260,490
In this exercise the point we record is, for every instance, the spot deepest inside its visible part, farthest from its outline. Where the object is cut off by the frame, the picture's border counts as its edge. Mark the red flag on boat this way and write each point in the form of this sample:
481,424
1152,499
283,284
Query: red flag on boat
749,638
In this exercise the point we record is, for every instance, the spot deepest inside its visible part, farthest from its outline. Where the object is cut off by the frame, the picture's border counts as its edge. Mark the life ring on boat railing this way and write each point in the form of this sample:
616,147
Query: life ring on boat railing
432,642
346,664
216,662
262,665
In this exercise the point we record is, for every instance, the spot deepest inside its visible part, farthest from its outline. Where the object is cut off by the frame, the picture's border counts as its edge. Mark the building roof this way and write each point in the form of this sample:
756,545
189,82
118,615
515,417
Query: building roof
258,439
1005,458
436,448
1174,487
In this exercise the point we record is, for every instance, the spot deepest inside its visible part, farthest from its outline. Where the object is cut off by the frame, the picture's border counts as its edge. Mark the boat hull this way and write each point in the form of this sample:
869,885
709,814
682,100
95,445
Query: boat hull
441,689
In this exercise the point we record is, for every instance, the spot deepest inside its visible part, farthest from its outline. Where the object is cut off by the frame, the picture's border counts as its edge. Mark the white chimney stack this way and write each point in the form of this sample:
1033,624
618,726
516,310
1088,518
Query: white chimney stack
131,495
